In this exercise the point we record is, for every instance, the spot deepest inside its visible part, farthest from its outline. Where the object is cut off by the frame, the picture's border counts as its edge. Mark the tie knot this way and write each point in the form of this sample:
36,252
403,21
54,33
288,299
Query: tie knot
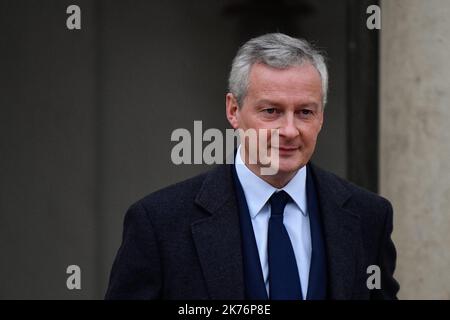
278,202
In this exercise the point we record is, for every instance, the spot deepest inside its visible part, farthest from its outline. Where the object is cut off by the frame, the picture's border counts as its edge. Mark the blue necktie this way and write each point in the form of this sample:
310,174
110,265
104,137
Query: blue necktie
283,273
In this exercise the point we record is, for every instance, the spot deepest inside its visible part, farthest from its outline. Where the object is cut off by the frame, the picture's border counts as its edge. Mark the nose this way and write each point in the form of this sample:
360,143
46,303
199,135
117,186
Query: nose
288,129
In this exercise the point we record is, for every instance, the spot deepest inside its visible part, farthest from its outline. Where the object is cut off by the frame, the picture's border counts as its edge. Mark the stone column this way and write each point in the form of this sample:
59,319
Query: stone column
415,141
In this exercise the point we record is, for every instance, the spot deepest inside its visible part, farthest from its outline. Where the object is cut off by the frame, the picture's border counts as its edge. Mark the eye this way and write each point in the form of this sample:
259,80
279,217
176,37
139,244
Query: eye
270,110
305,113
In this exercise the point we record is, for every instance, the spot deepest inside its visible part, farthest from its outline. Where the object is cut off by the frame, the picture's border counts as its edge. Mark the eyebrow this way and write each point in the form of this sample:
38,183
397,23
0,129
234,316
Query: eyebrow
266,101
311,105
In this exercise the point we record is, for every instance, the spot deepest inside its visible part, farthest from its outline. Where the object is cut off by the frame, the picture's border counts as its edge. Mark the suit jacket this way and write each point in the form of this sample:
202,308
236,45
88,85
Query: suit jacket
184,241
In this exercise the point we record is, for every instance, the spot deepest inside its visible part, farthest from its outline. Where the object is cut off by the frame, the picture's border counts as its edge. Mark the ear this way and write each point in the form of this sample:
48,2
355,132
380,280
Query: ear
232,110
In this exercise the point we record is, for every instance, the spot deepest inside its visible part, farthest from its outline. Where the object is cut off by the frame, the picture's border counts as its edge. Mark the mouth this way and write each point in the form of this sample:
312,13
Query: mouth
287,150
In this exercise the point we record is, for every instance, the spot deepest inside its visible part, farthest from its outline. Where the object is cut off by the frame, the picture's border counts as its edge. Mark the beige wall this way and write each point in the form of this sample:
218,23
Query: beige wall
415,141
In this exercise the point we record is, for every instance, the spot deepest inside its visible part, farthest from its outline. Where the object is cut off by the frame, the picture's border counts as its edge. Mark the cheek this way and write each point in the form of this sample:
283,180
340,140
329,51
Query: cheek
244,119
310,135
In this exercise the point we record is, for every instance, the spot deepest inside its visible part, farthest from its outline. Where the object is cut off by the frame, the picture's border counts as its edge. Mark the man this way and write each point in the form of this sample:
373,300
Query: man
235,233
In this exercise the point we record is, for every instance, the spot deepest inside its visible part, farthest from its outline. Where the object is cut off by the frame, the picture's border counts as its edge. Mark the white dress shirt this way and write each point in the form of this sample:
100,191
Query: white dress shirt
296,220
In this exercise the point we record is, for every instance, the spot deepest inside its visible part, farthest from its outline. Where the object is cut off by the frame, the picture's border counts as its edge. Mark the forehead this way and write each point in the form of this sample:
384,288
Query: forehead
302,80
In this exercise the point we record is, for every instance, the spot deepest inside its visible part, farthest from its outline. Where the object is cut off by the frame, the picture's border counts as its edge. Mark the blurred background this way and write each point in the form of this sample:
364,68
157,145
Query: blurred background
86,118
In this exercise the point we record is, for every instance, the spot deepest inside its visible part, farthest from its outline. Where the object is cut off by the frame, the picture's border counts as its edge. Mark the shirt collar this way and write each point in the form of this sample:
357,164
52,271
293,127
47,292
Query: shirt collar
257,191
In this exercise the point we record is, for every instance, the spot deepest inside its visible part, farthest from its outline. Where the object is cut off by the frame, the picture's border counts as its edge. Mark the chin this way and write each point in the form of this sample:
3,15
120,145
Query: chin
289,166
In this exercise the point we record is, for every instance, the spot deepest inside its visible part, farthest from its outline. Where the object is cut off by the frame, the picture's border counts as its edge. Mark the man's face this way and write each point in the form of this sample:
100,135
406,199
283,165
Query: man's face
289,100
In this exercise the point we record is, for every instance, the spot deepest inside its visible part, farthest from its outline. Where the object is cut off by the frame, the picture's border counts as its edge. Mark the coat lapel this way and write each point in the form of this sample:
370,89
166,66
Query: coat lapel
342,233
217,237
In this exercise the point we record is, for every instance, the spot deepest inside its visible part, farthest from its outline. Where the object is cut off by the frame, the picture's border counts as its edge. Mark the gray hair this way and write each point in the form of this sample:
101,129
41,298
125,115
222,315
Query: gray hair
276,50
